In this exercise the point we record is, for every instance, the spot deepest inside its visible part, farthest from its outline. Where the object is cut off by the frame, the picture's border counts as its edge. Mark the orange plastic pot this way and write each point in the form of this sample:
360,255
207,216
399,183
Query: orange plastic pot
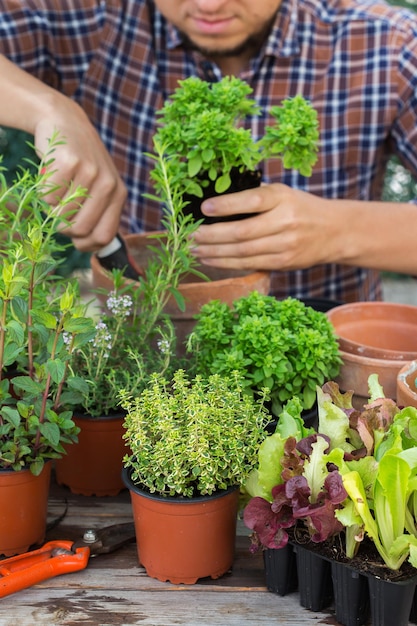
23,509
374,338
224,285
93,466
181,540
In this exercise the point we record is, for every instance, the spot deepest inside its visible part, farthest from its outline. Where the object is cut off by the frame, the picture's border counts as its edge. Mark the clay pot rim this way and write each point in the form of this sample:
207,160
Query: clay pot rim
379,363
364,350
185,287
406,371
361,350
127,479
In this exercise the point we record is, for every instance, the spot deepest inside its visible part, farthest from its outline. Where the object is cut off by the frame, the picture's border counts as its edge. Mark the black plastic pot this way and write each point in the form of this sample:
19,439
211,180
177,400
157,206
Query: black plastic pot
240,182
391,601
351,597
314,579
320,304
413,612
281,570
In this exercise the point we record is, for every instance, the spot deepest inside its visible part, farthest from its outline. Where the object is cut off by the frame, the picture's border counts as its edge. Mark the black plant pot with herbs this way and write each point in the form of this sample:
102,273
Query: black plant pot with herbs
201,130
240,181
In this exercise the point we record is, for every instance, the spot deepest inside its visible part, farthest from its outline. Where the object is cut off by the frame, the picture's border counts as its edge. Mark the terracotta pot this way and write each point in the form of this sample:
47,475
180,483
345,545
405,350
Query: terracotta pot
181,540
374,337
381,330
225,285
23,509
93,466
406,386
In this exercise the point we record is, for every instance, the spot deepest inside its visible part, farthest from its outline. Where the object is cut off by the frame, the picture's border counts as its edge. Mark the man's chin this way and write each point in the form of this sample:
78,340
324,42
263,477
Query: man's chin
216,48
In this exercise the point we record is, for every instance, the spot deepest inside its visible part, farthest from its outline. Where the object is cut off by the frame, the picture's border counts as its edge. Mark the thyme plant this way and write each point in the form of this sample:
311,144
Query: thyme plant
192,437
134,336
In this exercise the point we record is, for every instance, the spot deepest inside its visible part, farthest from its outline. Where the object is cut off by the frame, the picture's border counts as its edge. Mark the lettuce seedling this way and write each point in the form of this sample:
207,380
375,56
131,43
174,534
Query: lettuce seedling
271,451
358,433
385,523
312,490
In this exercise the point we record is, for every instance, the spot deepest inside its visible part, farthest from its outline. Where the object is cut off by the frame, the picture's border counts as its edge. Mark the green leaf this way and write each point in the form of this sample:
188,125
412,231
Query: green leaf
25,383
79,325
11,415
51,433
56,369
207,155
223,183
37,465
45,319
16,332
179,298
194,165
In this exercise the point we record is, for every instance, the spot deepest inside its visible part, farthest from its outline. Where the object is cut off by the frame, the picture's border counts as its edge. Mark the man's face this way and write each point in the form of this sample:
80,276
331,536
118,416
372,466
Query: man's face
220,27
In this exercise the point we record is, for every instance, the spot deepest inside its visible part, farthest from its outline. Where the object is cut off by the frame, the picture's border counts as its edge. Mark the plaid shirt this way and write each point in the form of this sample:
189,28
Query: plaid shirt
355,60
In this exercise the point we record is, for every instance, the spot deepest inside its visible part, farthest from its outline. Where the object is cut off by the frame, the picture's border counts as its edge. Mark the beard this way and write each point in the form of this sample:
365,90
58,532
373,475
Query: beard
253,43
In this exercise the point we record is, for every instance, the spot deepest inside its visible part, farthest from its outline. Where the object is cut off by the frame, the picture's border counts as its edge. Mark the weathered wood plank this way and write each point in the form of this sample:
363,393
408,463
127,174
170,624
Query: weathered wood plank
117,606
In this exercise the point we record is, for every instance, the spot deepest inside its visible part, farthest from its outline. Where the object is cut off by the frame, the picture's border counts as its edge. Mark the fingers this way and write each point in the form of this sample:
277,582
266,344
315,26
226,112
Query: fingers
88,235
256,200
78,159
248,255
92,218
288,232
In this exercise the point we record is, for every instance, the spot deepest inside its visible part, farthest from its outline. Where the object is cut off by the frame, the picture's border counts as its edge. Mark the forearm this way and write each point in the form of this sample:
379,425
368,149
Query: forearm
26,100
297,230
378,235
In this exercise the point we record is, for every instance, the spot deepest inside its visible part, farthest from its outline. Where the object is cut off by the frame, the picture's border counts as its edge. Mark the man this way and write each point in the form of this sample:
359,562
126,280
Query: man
97,71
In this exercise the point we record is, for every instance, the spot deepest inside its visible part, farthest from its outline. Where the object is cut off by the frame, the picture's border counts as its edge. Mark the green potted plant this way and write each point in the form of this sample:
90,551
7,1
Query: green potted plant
208,152
200,127
134,337
283,345
346,497
42,321
192,442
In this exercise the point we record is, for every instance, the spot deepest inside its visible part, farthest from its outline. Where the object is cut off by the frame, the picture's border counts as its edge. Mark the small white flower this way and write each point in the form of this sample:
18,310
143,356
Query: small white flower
163,345
103,338
119,305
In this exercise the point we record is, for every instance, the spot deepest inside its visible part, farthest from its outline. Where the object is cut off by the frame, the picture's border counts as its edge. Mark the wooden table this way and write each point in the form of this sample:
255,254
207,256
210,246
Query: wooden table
114,588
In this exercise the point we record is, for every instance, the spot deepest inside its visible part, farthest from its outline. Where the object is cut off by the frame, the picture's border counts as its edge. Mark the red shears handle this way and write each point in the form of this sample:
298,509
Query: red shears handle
53,559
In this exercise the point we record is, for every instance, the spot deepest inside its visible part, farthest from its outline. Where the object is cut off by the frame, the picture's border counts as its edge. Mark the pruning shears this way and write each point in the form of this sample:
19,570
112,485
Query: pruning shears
60,557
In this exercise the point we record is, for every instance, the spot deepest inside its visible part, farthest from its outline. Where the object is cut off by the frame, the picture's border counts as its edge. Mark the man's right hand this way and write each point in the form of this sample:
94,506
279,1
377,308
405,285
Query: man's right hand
80,159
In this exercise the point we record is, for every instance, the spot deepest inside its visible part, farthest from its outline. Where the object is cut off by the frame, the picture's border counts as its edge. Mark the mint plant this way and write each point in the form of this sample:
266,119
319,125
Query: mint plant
42,321
200,128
